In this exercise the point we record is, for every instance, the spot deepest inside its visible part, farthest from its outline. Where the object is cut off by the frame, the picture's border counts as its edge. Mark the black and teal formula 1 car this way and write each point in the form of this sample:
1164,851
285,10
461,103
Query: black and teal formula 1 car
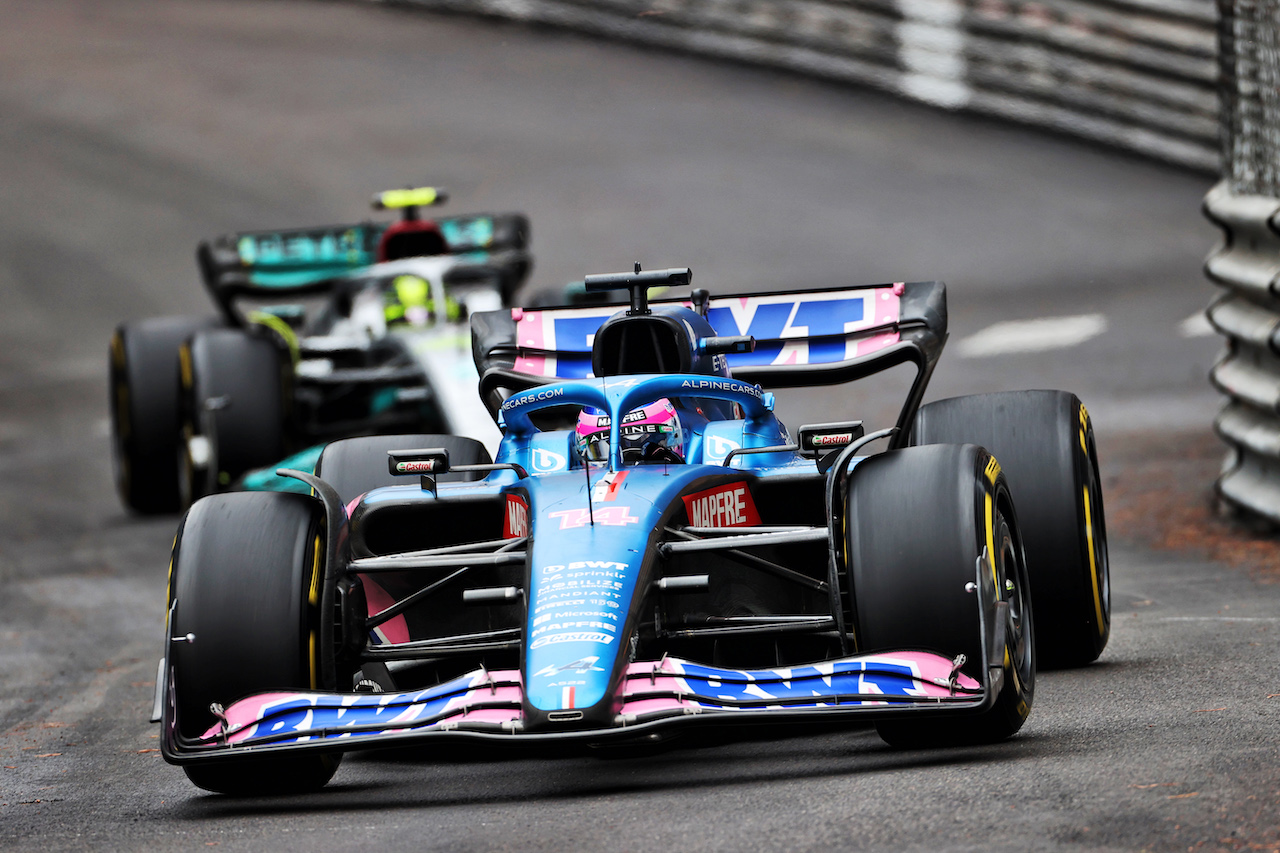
320,333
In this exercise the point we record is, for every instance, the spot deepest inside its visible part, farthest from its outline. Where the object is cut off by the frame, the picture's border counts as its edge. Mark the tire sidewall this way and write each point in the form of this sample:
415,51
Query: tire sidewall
241,576
1044,441
235,387
918,521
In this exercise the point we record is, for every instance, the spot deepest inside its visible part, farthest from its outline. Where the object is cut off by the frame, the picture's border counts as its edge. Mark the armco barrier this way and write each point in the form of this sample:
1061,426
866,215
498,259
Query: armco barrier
1246,206
1140,74
1247,266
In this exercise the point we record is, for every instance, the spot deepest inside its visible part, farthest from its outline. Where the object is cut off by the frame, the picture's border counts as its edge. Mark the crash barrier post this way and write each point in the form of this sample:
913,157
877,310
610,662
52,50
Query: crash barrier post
1246,206
1138,74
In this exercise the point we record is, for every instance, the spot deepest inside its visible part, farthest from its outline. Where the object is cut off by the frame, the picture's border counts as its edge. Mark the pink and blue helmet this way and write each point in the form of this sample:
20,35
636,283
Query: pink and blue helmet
651,433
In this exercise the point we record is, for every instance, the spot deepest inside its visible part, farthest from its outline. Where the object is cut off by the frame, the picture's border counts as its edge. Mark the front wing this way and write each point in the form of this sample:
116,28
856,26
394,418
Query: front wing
654,695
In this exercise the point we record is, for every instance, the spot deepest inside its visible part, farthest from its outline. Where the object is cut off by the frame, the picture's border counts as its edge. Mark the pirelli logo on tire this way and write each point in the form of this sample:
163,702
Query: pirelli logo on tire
993,470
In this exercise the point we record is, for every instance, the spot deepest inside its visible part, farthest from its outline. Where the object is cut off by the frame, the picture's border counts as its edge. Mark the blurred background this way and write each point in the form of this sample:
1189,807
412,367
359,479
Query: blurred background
1049,161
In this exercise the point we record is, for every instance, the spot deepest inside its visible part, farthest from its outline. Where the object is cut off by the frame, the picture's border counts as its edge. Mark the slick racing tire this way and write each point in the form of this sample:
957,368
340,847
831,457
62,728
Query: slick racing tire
918,521
244,565
1044,441
235,392
144,410
354,466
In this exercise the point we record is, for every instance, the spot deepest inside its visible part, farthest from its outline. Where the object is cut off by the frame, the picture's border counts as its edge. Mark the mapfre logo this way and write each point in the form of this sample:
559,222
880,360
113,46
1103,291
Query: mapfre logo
724,506
515,523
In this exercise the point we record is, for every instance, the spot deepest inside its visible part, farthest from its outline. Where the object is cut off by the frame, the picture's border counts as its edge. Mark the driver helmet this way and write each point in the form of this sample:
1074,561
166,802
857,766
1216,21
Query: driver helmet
645,433
408,301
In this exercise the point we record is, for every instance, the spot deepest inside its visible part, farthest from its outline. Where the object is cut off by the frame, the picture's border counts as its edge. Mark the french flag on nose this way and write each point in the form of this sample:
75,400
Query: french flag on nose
566,698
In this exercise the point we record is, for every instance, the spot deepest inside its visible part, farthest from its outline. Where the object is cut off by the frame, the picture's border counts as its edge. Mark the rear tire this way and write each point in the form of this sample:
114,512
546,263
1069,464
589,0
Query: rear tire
354,466
145,410
908,583
235,398
1044,441
242,571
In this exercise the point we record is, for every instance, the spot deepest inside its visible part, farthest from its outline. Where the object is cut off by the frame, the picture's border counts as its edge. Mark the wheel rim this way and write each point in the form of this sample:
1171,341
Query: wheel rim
1018,634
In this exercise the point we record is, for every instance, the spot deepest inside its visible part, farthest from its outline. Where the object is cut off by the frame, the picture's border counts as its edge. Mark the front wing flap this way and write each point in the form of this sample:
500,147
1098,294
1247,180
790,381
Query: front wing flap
653,695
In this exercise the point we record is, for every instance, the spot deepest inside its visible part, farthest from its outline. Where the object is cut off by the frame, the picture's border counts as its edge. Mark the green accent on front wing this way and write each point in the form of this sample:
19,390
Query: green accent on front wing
266,479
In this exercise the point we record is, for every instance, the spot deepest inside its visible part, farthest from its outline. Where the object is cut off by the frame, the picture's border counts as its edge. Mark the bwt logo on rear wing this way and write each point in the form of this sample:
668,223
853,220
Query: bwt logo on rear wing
790,329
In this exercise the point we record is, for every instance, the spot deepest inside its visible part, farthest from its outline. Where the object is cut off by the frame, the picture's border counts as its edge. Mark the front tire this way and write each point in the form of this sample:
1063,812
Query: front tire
918,520
145,410
1044,441
235,390
243,568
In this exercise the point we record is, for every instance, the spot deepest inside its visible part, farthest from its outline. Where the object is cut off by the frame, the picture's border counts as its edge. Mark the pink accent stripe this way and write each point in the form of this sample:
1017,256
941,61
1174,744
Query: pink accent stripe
531,332
886,309
377,599
660,416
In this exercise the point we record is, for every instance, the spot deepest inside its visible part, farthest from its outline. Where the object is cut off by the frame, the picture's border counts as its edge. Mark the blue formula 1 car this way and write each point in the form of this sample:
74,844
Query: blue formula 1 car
651,552
322,333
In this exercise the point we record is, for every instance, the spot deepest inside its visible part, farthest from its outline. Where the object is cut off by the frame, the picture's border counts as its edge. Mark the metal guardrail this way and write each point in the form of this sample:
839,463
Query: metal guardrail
1247,266
1249,57
1246,206
1139,74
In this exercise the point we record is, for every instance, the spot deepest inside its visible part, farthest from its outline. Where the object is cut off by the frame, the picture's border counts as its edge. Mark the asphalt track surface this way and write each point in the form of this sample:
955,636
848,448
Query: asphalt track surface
129,130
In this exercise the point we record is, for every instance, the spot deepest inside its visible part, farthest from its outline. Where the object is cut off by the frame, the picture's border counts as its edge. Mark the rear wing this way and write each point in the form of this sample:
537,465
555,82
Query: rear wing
304,261
803,338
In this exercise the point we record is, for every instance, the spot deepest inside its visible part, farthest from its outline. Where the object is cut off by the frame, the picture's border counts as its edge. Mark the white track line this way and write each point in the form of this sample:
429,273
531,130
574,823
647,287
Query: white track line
1036,335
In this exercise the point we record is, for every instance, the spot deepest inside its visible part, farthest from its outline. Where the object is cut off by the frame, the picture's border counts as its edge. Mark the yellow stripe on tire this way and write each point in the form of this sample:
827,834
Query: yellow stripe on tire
1093,562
